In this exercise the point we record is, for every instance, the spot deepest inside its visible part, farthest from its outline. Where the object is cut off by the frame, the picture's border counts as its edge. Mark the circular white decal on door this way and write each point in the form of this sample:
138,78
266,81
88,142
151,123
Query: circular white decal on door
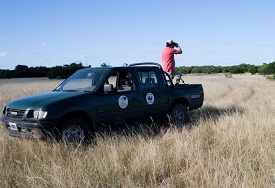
150,98
123,101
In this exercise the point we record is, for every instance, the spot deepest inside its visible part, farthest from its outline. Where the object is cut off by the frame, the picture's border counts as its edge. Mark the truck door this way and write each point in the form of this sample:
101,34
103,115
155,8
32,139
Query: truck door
122,104
153,94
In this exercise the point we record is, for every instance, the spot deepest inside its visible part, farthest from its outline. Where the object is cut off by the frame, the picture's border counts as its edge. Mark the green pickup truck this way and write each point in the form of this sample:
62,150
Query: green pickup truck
105,96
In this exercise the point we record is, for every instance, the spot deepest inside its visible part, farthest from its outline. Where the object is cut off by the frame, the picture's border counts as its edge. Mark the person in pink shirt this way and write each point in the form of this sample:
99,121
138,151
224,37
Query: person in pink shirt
168,60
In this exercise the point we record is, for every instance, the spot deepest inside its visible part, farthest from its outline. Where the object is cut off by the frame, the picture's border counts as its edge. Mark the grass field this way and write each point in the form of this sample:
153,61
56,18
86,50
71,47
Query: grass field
230,142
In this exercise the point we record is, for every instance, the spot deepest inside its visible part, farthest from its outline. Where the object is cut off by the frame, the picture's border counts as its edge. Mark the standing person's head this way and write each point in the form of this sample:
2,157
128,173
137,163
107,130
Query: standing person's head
171,44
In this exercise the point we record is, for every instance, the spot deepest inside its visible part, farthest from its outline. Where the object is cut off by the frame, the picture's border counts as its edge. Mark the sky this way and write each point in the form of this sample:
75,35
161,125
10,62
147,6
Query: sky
210,32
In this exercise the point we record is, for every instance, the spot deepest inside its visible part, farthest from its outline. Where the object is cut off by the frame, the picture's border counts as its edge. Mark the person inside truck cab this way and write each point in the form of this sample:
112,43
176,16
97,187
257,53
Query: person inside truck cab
120,81
125,82
168,60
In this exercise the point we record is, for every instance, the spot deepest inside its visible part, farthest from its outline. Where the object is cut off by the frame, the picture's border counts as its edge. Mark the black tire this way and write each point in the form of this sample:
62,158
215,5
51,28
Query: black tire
179,115
75,130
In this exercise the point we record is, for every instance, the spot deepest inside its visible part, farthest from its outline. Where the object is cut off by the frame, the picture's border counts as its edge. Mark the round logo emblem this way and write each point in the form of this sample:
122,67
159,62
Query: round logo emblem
123,101
150,98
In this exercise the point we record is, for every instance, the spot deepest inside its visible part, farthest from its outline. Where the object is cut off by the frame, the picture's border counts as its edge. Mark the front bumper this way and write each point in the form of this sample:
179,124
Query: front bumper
29,128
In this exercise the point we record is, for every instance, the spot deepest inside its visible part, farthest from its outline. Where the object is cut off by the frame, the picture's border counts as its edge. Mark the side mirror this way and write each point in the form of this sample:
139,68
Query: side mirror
108,87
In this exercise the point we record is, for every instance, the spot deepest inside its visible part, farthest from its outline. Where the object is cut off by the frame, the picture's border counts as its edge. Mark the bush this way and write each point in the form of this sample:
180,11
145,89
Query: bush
271,77
228,75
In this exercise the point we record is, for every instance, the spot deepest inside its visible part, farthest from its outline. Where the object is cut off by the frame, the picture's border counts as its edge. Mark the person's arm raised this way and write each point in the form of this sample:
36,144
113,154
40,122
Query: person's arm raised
179,49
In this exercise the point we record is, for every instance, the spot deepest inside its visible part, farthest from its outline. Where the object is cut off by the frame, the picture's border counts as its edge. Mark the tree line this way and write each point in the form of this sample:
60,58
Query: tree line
265,69
62,72
57,72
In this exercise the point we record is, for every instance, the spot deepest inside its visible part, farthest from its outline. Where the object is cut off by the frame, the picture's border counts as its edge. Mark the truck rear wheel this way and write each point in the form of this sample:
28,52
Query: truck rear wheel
179,115
75,130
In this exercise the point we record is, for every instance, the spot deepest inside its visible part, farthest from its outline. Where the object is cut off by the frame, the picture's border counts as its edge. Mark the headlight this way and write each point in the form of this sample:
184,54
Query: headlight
39,114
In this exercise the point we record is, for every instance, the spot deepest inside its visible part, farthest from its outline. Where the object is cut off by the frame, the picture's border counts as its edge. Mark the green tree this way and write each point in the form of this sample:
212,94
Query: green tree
267,69
20,71
252,69
63,72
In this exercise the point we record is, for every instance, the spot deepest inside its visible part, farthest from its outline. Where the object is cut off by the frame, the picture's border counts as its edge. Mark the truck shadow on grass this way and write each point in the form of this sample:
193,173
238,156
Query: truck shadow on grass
156,128
211,113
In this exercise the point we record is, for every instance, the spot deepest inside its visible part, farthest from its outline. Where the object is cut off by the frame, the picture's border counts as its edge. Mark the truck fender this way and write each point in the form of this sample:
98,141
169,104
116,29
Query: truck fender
182,101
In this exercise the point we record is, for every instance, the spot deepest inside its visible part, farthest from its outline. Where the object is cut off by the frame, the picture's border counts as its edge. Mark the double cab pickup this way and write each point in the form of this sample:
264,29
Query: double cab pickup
105,96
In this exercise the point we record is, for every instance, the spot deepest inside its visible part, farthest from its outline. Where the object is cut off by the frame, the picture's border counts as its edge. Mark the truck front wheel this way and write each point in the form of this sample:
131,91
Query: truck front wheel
179,114
75,130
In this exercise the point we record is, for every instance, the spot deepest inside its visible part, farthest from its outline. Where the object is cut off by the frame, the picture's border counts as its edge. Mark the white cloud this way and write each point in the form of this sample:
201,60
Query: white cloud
42,44
2,54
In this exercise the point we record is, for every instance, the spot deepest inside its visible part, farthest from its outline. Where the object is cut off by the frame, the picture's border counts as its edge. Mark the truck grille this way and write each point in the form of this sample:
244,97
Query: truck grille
15,113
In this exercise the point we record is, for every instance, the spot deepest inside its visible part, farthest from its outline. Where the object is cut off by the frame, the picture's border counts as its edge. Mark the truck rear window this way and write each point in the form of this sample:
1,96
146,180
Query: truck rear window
148,79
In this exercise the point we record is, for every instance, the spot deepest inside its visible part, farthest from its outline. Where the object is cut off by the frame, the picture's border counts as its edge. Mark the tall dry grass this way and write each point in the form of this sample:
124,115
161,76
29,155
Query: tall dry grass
230,142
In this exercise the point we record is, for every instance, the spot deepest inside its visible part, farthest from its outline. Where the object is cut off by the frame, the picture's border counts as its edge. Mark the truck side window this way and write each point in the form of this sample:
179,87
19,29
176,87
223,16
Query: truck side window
121,81
148,79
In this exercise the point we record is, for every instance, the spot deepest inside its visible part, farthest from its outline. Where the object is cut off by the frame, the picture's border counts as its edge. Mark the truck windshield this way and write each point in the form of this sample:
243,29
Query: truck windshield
84,81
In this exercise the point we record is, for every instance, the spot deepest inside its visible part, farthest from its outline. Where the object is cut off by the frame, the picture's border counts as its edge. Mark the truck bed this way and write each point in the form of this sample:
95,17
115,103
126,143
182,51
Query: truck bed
193,93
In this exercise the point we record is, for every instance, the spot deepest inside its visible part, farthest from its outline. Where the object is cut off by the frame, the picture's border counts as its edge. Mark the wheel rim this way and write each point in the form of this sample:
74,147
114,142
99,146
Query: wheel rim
178,117
73,134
